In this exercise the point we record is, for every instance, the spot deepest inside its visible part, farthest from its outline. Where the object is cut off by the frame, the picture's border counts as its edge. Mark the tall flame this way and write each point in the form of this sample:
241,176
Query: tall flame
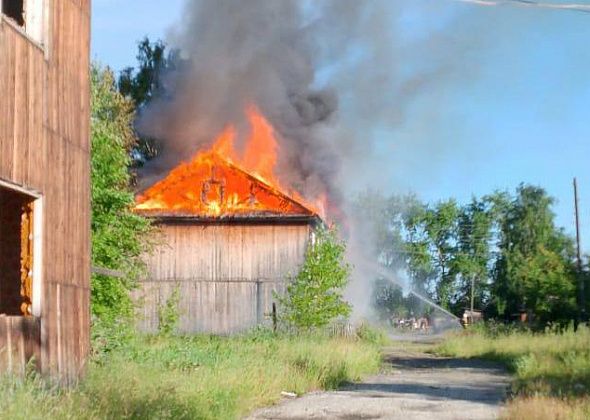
222,182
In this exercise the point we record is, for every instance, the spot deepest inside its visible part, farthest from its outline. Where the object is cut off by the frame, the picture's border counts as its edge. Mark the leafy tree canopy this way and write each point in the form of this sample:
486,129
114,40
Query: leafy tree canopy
117,233
504,248
534,271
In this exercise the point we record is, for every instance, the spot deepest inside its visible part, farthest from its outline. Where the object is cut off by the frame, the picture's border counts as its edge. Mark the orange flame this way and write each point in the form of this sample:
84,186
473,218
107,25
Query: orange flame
219,182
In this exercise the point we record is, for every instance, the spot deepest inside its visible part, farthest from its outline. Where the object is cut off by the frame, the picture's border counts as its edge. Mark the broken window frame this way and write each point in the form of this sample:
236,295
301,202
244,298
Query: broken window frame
35,16
37,245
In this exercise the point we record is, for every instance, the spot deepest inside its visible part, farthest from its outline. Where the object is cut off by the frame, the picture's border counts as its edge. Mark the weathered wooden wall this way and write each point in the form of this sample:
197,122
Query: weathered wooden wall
20,341
44,146
225,273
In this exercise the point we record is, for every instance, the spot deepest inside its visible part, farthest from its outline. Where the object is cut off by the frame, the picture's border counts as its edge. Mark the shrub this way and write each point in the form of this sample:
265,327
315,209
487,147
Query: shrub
168,314
371,335
314,296
118,235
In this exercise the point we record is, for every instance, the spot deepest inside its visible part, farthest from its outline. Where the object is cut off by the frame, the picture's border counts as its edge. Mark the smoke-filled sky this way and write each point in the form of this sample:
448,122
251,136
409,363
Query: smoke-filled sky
440,97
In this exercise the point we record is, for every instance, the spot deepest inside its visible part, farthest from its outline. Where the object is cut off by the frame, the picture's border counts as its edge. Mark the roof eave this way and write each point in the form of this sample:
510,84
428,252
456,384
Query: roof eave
312,219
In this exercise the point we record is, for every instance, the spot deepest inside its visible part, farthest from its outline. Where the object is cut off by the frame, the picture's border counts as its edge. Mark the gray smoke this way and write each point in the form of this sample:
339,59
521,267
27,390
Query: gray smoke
325,73
328,74
240,53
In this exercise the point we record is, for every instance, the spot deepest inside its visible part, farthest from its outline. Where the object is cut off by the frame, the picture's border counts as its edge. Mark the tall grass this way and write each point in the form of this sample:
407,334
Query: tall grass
551,369
194,377
548,408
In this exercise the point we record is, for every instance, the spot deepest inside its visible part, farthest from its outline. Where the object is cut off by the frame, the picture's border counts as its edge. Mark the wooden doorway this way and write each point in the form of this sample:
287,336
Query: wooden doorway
18,248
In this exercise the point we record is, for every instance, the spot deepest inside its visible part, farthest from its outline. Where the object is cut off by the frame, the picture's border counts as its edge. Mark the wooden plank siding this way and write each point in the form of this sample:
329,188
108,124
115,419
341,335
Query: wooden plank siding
225,272
20,336
44,147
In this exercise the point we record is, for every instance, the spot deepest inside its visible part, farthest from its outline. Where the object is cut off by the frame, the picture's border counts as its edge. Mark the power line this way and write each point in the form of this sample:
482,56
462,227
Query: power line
572,7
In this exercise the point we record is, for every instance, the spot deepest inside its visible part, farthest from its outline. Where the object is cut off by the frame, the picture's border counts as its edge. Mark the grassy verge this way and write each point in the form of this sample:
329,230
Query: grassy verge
551,369
194,377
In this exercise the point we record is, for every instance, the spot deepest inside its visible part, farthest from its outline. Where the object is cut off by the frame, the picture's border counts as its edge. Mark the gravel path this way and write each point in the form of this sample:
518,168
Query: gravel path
412,385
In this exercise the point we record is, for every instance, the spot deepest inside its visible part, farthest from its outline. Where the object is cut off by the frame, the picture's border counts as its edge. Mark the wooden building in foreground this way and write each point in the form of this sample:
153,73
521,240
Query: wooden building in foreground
228,241
44,186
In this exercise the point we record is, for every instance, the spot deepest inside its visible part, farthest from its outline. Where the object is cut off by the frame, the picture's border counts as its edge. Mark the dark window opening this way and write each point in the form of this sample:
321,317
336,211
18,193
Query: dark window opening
16,252
15,10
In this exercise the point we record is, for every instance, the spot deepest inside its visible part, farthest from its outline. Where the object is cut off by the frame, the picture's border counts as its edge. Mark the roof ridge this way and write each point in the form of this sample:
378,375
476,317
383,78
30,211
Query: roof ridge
263,181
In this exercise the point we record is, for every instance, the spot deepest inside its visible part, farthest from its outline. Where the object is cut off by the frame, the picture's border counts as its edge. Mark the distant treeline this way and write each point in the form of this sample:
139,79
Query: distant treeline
506,244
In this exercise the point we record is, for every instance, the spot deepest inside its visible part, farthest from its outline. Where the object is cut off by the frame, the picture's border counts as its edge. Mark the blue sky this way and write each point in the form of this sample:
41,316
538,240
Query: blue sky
118,25
519,110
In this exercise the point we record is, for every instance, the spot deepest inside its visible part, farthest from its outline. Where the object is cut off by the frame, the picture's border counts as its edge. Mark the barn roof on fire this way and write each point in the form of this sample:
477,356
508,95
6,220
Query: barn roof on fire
214,188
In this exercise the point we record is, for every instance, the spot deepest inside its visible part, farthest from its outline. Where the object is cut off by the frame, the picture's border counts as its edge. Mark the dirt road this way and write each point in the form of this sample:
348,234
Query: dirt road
412,385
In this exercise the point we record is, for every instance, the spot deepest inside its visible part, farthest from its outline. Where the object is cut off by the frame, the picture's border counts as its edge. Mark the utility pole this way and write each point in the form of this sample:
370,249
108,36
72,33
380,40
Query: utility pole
581,292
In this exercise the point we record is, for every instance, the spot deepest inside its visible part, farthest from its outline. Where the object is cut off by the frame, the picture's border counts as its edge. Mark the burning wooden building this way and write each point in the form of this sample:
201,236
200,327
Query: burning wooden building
230,237
44,186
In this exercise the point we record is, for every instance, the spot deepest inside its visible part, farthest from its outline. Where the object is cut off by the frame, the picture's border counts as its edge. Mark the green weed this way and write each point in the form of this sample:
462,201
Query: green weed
197,377
551,367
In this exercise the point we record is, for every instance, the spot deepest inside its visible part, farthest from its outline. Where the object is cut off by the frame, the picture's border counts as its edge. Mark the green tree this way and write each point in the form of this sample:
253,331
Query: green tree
390,301
118,235
471,263
145,83
506,245
392,229
418,260
378,219
441,223
314,296
534,271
